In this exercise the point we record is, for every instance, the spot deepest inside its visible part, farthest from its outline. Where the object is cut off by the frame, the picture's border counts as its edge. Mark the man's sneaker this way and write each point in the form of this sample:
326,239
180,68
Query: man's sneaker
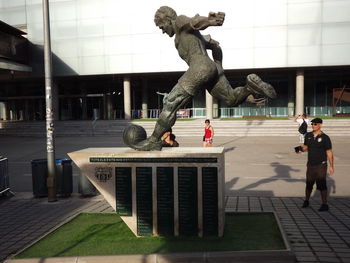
256,85
305,204
324,207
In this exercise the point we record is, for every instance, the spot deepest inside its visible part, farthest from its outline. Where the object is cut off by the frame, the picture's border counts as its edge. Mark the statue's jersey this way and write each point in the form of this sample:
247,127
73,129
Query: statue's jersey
189,42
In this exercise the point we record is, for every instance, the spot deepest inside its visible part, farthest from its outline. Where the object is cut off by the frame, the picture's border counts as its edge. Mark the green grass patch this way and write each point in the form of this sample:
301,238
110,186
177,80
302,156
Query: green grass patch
333,117
106,234
253,118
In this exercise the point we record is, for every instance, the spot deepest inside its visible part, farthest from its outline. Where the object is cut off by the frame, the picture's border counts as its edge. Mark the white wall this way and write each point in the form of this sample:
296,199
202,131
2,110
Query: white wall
110,36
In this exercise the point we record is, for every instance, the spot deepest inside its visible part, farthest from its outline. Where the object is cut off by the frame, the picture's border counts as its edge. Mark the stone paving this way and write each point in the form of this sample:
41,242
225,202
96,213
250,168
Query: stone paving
313,236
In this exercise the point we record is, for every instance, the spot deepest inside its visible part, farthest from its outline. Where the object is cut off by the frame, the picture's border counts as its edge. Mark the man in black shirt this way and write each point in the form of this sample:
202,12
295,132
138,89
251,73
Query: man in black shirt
319,147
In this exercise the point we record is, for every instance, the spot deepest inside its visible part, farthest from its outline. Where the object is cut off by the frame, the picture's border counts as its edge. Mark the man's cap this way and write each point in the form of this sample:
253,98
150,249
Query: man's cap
316,120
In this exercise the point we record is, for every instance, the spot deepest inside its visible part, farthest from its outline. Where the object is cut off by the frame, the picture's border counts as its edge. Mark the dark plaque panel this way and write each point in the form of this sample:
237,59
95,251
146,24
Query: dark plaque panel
144,201
210,200
123,191
188,212
165,200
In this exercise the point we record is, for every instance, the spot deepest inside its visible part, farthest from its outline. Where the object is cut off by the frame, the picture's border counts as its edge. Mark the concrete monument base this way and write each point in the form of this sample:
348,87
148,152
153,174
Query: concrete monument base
176,191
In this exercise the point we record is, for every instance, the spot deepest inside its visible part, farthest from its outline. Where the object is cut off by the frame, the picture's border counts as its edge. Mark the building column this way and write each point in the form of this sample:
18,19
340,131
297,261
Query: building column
299,94
109,106
127,98
209,105
7,111
215,108
291,95
144,98
3,111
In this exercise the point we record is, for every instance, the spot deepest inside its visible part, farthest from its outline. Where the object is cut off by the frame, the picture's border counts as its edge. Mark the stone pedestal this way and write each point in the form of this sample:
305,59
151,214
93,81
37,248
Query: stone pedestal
176,191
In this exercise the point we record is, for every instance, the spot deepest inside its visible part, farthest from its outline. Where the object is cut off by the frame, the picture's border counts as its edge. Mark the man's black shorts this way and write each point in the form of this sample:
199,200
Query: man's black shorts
316,173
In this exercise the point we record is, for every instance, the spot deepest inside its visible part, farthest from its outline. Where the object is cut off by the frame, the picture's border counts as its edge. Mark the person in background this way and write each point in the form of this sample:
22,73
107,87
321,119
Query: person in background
300,120
168,139
319,147
208,134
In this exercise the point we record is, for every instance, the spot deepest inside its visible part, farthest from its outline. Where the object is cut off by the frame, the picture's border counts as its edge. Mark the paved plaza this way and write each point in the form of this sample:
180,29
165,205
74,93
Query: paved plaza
254,166
313,236
262,174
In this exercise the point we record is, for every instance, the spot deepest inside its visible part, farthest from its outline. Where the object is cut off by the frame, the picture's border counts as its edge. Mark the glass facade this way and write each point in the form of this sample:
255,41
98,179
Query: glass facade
111,39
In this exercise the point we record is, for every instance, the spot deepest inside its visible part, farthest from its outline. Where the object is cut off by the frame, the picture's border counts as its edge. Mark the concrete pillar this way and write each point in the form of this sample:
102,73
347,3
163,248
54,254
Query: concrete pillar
299,95
127,98
7,111
209,105
215,108
144,98
109,107
2,111
291,95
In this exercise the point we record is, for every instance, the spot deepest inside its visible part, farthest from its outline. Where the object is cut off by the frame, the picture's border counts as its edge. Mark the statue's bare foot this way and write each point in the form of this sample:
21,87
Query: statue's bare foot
147,145
256,85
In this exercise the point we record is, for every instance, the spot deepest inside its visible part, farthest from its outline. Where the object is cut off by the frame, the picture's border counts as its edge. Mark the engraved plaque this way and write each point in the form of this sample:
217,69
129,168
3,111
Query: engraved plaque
188,212
153,160
210,200
165,200
123,191
144,201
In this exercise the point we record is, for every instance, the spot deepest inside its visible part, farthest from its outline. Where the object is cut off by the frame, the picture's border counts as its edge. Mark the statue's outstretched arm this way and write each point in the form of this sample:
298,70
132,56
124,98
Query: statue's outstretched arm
214,46
201,22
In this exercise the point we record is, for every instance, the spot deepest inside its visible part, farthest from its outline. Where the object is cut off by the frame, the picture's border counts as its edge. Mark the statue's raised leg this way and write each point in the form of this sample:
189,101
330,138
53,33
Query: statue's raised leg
235,96
256,85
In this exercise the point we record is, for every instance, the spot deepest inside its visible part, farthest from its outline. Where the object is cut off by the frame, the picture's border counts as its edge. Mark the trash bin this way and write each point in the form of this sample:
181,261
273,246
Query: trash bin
64,177
4,178
39,177
85,187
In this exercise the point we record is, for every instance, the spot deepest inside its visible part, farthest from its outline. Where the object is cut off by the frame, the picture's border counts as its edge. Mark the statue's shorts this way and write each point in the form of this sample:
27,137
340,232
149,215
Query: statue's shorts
316,173
201,74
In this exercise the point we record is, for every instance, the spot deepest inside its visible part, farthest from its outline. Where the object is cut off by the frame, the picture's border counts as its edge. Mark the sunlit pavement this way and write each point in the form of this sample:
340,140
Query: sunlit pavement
262,174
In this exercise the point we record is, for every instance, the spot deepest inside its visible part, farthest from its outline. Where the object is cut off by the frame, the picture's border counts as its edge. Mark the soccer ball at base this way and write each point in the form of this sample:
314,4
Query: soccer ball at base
134,134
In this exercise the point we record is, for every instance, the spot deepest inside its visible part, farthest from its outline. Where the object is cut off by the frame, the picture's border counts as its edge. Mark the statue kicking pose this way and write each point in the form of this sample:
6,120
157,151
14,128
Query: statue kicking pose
203,72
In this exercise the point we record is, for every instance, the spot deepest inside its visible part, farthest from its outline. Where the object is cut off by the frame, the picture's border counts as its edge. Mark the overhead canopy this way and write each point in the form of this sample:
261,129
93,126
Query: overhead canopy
10,29
13,49
11,65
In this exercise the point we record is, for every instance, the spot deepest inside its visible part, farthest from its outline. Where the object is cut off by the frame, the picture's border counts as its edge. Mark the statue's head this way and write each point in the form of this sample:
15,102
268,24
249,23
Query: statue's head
164,18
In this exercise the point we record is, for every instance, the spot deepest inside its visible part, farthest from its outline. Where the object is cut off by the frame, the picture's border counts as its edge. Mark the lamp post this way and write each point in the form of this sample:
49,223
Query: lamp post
50,139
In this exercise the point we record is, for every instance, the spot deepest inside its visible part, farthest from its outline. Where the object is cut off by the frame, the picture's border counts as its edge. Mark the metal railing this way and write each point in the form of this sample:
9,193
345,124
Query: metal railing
221,112
245,111
327,110
250,111
182,113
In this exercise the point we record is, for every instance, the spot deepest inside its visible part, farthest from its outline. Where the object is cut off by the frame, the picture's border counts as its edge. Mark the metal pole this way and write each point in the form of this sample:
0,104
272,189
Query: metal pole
50,141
